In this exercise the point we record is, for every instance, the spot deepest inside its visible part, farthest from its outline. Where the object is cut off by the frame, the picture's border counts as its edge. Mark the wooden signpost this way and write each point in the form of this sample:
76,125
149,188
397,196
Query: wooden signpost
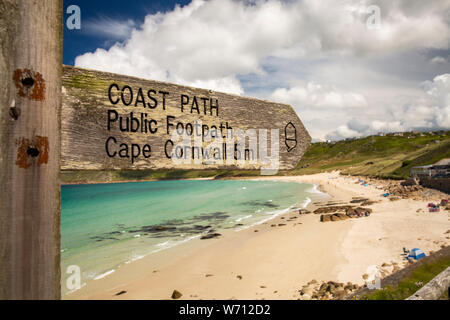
116,122
74,119
30,100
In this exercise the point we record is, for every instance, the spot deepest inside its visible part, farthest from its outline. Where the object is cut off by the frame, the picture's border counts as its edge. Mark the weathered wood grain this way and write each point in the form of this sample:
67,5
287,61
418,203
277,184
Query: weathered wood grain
434,289
30,100
85,118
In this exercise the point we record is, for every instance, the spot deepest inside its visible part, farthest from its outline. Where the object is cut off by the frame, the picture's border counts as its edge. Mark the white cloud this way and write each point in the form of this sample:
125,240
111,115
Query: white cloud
318,56
376,126
438,59
439,93
203,42
110,28
429,111
344,132
317,95
385,126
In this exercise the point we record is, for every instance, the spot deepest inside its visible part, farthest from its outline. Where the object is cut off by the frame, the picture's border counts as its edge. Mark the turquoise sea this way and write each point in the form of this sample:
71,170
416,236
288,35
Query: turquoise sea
106,225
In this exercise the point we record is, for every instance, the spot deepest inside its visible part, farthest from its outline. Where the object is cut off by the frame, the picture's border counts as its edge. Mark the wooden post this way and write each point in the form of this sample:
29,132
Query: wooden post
30,102
434,289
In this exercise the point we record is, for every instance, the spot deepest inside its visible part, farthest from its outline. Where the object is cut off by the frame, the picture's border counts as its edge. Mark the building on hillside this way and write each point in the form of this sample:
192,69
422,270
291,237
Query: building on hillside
436,176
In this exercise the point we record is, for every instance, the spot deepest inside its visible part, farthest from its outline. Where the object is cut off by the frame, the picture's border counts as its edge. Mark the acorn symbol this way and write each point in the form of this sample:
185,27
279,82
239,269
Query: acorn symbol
290,136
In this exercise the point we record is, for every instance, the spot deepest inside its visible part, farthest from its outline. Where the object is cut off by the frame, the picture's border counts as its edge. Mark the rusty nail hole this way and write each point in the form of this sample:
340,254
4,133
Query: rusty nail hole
32,152
28,82
14,112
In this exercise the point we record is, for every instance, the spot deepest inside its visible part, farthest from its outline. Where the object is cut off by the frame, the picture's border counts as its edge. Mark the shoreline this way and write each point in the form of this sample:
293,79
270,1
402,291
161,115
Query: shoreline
267,260
130,181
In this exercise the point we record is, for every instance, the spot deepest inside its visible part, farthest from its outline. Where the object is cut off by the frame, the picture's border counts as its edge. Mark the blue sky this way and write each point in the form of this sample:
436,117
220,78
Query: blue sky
77,42
349,68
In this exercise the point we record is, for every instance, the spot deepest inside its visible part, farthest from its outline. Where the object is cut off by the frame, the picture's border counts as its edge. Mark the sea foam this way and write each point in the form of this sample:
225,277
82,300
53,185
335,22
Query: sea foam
101,276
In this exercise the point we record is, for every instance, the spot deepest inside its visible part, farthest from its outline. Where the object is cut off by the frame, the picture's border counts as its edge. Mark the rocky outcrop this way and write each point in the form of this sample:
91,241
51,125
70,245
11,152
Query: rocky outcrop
327,290
363,201
350,213
358,212
330,209
405,191
409,182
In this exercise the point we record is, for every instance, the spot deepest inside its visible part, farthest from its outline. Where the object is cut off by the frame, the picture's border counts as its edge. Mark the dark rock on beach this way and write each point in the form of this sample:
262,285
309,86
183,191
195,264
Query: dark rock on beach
350,213
358,200
176,294
341,216
210,236
334,217
199,227
331,209
267,204
358,212
152,229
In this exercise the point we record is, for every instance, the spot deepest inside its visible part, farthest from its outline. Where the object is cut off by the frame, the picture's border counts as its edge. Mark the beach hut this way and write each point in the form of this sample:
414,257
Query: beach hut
416,253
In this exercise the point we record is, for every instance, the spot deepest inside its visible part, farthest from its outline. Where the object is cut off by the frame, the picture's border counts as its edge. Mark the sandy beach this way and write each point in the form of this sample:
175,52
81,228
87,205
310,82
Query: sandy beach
275,259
